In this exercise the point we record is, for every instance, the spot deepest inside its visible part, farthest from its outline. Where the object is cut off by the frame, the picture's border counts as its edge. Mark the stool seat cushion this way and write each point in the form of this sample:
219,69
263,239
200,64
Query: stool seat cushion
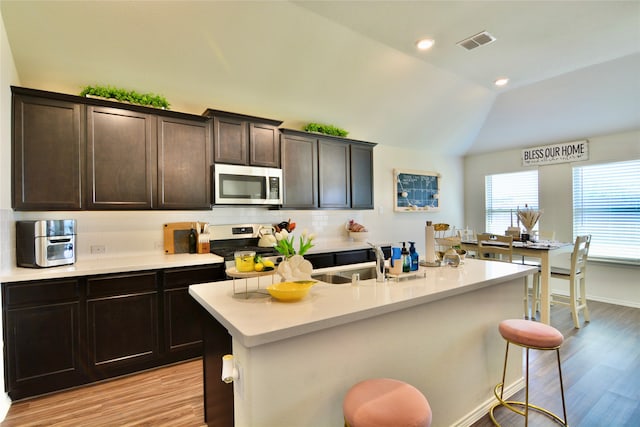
383,402
530,334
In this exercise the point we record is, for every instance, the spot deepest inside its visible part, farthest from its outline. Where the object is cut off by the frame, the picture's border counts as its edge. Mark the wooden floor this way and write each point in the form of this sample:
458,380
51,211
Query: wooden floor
170,396
600,367
600,364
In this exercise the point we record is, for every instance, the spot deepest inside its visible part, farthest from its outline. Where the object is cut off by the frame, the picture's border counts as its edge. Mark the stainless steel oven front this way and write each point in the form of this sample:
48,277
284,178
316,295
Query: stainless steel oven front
247,185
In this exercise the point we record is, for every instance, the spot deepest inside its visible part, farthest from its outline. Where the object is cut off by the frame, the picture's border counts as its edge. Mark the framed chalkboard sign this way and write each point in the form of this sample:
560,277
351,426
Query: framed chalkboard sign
416,191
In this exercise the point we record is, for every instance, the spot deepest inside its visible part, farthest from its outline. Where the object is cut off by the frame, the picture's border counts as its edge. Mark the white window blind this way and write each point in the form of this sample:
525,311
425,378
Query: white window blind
606,205
504,193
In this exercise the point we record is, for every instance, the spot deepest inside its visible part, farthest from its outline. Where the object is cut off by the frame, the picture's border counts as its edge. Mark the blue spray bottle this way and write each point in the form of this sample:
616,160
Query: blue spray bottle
414,256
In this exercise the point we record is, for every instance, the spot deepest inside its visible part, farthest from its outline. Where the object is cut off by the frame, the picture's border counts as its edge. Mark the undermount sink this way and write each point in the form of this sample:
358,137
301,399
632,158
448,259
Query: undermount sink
344,276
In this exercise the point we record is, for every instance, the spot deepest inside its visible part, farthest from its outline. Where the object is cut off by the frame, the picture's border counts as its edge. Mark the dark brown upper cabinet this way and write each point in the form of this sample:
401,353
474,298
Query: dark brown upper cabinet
47,153
299,171
121,154
245,140
334,179
71,152
361,176
184,163
326,172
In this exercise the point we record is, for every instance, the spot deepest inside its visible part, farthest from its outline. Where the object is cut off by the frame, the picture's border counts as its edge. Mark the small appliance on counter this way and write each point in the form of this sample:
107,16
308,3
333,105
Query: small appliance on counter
45,243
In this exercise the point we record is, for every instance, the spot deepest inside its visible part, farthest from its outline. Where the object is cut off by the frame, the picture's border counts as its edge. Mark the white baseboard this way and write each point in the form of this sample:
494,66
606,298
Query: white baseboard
5,404
483,409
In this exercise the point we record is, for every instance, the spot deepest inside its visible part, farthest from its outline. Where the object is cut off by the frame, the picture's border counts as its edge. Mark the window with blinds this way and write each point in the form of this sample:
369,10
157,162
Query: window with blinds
606,204
504,193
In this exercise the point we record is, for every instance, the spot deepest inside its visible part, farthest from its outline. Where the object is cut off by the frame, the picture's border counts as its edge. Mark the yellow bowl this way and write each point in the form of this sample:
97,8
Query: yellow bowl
290,291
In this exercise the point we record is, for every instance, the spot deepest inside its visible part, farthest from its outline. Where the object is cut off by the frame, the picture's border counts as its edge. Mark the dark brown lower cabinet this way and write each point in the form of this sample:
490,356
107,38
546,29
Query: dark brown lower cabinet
42,336
122,323
182,314
67,332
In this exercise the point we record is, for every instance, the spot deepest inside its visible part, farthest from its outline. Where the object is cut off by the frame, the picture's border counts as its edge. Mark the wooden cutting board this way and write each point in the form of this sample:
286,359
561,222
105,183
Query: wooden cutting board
176,237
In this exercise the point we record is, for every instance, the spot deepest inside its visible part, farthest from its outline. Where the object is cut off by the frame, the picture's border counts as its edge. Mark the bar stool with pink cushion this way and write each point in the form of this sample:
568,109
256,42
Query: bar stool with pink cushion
529,335
385,402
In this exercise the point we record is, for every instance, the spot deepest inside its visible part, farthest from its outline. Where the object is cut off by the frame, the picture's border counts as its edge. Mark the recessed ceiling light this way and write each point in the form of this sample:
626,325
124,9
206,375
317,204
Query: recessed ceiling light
502,81
425,44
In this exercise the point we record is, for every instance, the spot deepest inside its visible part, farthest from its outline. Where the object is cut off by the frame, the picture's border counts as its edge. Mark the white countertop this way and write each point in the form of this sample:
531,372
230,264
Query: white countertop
149,261
261,320
105,265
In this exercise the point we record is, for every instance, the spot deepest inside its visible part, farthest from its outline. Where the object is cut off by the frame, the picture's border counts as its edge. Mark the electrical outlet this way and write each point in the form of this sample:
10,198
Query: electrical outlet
98,249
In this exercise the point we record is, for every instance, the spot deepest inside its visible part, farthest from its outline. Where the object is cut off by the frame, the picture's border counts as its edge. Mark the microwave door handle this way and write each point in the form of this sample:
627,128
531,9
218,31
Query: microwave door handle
62,240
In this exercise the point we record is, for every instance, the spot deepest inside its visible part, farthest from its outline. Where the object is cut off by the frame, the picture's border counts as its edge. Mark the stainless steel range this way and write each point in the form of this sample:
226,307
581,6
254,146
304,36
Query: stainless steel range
227,239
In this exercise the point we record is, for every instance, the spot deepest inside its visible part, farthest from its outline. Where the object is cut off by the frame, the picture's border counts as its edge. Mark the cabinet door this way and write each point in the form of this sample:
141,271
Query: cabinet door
334,174
299,172
264,145
47,143
230,141
182,320
42,337
121,165
184,164
361,176
122,320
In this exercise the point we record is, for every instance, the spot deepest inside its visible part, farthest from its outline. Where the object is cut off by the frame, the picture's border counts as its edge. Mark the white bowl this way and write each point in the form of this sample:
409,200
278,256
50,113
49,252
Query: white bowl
359,236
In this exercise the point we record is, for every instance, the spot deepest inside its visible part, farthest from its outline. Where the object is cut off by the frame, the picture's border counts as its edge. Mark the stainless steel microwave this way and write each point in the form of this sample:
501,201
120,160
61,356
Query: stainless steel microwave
247,185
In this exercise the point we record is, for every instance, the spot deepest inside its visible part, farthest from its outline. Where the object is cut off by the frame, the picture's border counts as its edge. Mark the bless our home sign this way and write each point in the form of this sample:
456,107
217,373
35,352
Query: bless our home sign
558,153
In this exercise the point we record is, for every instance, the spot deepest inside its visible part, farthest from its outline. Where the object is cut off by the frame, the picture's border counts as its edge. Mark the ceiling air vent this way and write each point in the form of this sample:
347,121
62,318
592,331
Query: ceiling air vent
478,40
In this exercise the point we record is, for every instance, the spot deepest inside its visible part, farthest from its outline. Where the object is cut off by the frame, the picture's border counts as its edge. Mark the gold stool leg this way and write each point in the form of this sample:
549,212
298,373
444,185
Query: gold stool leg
511,404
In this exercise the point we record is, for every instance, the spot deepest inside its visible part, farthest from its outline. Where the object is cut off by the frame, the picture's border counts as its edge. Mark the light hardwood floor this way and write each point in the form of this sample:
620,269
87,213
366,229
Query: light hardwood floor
600,364
169,396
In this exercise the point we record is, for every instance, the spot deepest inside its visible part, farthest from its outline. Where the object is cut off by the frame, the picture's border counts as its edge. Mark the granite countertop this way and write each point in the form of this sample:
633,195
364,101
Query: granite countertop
260,320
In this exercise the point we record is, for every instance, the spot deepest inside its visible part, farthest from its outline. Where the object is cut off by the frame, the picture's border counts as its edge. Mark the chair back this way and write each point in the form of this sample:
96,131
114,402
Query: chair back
500,248
580,254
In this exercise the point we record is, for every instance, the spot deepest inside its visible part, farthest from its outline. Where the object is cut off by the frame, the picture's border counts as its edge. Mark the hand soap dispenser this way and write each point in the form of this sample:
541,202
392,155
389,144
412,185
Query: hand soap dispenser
406,258
414,256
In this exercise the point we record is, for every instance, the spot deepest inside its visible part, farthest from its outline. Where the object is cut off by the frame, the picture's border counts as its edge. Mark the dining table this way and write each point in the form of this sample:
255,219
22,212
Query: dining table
542,250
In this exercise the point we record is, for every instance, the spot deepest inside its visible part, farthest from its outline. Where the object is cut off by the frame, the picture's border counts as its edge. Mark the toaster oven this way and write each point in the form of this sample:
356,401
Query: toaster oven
45,243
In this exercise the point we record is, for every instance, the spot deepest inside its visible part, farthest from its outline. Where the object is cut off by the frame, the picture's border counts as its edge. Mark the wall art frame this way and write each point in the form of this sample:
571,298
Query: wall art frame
416,191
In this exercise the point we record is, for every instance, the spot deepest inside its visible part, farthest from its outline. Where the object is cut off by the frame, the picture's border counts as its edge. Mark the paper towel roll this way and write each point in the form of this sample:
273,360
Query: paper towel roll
430,243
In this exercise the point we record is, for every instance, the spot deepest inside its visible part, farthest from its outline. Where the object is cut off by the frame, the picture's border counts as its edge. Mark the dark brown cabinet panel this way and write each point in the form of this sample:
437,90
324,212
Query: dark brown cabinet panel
182,320
122,323
264,145
334,174
361,176
230,141
299,172
47,154
239,139
120,158
42,336
184,164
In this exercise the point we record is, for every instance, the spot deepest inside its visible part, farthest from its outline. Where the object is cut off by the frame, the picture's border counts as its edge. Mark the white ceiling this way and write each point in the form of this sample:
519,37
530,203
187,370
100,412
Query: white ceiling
574,66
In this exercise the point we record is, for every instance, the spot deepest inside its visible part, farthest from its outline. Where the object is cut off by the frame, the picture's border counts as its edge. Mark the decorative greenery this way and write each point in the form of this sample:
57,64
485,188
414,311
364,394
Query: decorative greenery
285,245
326,129
130,96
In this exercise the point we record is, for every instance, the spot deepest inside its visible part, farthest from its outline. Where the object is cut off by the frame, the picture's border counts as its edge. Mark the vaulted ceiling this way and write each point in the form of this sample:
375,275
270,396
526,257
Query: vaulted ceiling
573,66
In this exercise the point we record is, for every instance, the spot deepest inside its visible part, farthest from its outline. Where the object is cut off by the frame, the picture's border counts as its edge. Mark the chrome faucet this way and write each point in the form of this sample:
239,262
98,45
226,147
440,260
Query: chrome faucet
380,276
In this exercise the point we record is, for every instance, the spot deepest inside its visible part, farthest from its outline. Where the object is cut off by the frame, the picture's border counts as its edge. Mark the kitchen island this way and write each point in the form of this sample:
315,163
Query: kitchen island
438,332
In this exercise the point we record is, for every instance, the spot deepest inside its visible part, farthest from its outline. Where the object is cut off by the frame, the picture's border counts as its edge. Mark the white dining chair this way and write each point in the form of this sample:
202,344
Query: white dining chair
576,277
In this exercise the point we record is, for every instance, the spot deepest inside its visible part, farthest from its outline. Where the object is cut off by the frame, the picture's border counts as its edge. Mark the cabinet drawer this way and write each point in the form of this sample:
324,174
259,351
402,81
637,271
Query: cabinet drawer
321,260
40,293
130,283
352,257
183,277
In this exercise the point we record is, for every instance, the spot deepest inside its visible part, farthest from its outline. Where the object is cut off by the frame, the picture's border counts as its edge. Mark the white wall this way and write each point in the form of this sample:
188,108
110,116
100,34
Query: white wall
606,282
8,76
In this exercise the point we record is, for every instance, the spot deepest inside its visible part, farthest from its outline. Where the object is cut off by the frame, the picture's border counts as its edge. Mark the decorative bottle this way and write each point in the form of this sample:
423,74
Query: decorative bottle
192,241
414,256
406,258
